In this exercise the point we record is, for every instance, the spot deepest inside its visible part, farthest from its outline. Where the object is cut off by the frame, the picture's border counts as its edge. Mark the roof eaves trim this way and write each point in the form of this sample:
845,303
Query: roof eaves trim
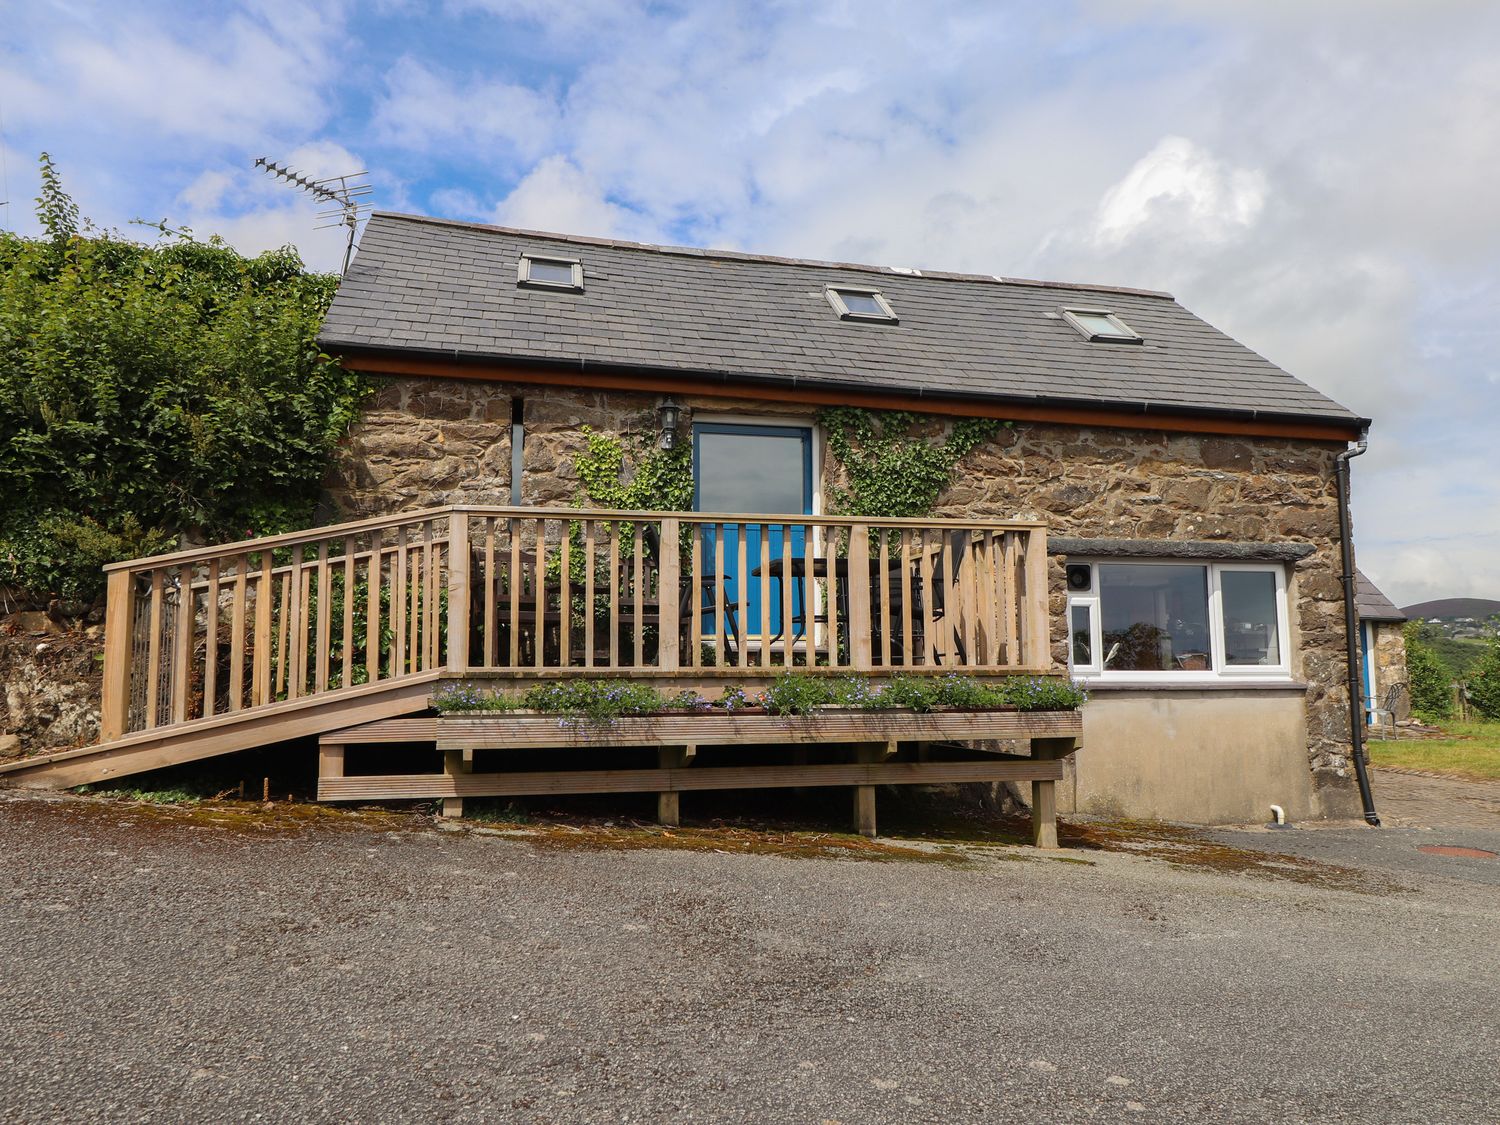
1127,407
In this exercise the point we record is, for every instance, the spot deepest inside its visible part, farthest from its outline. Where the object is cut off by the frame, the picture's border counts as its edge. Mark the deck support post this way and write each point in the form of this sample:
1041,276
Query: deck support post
864,795
330,763
456,762
669,802
1044,793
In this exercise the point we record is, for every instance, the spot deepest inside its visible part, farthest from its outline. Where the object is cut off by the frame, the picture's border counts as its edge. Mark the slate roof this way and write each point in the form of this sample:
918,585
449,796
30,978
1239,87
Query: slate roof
1371,604
448,289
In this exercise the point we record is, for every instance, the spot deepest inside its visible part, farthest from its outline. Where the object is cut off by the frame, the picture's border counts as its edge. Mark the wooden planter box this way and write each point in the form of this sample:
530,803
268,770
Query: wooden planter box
469,730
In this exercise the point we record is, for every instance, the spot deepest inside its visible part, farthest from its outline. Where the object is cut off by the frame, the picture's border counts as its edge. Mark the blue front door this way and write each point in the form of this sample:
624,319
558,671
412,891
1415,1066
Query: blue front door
745,469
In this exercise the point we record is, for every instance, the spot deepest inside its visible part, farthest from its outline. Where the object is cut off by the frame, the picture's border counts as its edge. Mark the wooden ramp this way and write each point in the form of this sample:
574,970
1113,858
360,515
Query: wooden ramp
205,738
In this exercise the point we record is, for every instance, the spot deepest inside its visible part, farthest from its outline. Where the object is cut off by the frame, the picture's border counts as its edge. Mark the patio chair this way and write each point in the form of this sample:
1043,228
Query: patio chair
1397,701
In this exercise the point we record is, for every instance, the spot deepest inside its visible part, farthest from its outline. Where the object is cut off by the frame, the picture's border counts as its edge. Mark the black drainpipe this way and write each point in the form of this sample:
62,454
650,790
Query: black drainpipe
1351,630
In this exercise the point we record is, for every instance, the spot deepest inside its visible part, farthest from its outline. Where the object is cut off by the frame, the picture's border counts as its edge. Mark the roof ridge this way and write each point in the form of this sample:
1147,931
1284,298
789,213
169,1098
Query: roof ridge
742,256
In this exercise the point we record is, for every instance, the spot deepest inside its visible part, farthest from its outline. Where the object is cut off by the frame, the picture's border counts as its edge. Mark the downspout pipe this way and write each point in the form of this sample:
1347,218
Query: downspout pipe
1351,630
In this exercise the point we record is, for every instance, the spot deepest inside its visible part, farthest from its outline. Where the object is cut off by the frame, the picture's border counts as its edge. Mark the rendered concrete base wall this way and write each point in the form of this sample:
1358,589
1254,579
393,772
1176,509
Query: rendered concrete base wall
1206,757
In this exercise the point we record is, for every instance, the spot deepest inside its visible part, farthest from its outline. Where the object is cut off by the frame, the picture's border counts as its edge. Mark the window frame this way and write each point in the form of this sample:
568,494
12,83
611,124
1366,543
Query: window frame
1123,334
1221,672
835,293
526,281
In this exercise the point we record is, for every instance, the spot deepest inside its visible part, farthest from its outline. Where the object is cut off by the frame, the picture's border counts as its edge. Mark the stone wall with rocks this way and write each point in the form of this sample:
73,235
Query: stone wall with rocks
50,676
1390,667
432,441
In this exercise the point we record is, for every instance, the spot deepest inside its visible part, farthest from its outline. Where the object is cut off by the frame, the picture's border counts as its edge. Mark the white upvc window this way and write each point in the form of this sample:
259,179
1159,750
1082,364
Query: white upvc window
1179,620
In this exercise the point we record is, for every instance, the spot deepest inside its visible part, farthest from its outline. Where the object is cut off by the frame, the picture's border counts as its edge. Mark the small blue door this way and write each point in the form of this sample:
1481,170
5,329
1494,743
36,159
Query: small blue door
746,470
1367,663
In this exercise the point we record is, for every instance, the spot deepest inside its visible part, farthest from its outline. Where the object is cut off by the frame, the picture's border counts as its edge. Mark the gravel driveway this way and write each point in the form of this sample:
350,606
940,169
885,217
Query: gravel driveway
159,965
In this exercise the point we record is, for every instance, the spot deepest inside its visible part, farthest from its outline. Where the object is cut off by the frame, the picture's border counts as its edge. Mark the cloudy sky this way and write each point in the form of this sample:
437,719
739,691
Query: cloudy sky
1316,177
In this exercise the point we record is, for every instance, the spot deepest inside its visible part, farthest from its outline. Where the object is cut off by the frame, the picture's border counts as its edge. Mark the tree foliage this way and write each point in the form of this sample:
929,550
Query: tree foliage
152,392
1484,682
1431,680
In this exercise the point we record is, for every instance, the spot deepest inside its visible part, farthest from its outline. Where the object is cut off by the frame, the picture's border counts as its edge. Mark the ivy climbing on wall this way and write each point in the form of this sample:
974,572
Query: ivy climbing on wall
890,469
659,480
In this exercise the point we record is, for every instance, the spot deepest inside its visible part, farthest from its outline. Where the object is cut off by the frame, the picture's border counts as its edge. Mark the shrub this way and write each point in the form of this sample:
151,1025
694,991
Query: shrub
466,697
151,392
791,693
1484,682
1041,694
794,694
595,700
1430,679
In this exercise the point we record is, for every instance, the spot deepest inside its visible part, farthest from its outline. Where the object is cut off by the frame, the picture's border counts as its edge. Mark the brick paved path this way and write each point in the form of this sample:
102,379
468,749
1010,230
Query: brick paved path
1435,802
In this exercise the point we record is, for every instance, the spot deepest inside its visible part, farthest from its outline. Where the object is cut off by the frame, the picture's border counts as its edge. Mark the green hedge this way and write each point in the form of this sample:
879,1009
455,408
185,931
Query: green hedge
147,392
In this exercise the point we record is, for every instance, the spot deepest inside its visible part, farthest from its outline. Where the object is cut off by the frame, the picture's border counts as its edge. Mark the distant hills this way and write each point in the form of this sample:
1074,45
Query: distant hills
1477,608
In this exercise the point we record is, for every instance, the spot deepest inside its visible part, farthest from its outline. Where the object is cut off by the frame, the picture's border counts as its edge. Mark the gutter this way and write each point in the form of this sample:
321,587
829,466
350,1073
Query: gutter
1351,630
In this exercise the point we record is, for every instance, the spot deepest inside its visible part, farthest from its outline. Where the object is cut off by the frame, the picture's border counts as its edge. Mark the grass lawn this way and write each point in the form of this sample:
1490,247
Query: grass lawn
1472,750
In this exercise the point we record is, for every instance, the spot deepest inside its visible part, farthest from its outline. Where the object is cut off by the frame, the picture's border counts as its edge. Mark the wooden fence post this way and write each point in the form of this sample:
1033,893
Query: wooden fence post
458,591
261,689
858,594
1038,611
115,706
668,594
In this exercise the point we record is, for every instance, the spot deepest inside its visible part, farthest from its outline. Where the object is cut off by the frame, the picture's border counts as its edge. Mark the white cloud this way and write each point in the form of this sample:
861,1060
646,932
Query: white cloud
558,196
205,192
1181,186
456,203
486,120
243,81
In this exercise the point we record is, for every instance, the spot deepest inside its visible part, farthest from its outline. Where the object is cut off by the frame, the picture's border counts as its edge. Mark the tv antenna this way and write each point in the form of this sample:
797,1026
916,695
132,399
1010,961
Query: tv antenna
340,194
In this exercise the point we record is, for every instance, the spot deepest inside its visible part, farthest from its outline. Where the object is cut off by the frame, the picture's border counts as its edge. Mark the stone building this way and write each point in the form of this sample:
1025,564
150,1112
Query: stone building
1382,646
1187,484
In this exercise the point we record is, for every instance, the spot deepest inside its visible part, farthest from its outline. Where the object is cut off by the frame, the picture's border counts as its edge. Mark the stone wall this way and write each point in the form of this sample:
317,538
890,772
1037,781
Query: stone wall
1390,666
50,676
430,441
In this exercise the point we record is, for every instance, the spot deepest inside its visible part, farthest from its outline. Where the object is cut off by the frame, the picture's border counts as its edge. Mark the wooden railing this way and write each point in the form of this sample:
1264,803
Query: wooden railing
536,593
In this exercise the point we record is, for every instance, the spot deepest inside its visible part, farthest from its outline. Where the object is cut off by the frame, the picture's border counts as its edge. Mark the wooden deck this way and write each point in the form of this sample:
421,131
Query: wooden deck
344,632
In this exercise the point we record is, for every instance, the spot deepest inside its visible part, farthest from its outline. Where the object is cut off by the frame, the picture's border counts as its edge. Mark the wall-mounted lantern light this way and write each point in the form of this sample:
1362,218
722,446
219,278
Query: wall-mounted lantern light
668,414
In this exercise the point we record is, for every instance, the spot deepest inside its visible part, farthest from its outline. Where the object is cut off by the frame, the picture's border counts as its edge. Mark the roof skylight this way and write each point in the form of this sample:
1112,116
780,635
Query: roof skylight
1101,325
537,272
861,304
